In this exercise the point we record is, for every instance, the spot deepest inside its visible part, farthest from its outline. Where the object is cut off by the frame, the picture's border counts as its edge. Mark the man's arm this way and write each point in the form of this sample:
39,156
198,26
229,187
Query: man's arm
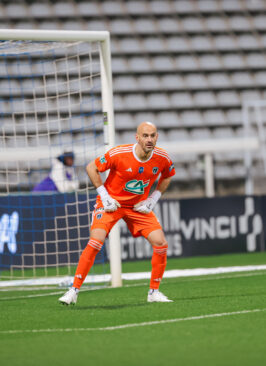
109,203
94,174
148,205
163,184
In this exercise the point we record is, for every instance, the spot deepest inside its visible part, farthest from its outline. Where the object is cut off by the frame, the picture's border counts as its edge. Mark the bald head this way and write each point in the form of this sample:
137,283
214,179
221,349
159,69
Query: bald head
146,137
146,125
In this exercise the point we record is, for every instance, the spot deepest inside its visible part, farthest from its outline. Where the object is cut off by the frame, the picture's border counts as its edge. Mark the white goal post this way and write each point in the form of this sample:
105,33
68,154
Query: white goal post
103,38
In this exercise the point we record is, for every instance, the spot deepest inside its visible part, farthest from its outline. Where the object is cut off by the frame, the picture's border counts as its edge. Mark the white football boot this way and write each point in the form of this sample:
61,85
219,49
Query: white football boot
70,297
157,296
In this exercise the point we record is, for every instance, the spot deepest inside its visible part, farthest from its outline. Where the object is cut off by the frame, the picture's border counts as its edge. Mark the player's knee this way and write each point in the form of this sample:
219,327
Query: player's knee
161,243
157,238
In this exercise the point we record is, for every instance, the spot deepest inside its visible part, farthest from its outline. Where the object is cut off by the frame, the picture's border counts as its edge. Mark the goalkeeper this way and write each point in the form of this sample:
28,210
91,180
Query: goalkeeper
125,195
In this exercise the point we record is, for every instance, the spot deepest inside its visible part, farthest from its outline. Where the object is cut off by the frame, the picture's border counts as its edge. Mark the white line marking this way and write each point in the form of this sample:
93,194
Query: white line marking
131,325
211,271
31,296
224,277
130,285
41,295
174,273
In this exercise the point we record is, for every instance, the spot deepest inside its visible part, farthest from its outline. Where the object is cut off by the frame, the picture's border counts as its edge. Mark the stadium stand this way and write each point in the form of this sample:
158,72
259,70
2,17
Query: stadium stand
187,65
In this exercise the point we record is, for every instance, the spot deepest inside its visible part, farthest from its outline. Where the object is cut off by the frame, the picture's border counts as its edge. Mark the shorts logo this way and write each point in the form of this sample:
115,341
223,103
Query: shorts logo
99,209
102,159
136,186
155,170
99,216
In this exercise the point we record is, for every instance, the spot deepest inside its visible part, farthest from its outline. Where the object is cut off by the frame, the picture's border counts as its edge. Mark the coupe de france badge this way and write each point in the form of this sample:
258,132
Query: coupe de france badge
141,169
171,167
102,159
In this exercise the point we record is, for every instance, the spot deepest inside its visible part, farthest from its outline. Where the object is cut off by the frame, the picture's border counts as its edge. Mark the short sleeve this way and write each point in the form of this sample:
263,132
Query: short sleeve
104,162
169,170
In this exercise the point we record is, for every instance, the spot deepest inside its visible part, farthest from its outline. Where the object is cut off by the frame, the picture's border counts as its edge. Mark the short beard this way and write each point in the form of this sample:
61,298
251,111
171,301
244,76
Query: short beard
148,150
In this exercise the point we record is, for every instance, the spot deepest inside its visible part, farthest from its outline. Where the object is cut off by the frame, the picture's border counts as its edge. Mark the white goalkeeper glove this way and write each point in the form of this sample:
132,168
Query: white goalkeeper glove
109,203
148,205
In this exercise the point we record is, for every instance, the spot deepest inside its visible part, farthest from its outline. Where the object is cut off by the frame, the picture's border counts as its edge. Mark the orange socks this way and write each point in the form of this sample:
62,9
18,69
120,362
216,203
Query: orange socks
158,262
86,261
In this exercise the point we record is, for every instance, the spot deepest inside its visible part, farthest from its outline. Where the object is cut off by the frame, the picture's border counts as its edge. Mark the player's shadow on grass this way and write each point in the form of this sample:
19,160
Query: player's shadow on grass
107,307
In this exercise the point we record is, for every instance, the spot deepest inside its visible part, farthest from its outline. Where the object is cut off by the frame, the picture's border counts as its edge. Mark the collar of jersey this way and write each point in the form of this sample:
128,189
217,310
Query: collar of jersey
135,155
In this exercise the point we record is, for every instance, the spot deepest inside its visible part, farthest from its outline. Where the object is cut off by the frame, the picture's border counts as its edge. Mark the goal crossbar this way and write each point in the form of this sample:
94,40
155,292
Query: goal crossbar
51,35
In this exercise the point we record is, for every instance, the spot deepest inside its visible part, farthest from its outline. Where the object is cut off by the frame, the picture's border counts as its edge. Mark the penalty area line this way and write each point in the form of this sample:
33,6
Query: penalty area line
132,325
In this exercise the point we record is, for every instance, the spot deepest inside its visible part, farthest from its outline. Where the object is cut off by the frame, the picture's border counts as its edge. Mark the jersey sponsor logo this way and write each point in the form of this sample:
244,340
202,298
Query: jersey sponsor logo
141,169
102,159
155,170
136,186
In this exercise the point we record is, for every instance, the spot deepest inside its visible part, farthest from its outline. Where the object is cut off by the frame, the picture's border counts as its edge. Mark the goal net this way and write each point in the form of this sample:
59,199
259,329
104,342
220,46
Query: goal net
55,106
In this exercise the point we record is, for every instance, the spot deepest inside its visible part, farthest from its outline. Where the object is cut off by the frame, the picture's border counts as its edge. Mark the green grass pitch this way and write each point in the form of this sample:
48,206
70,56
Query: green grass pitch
214,320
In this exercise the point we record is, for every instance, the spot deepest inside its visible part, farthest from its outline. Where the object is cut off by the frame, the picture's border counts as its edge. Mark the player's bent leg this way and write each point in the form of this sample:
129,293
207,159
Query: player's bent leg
85,263
99,234
159,260
157,238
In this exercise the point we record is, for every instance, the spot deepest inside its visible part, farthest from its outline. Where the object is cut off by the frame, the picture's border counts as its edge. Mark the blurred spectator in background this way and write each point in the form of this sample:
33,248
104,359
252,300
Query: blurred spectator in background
62,177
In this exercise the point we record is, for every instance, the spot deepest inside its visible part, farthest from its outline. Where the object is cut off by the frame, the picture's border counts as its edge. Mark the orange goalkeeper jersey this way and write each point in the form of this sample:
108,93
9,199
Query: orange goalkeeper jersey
130,179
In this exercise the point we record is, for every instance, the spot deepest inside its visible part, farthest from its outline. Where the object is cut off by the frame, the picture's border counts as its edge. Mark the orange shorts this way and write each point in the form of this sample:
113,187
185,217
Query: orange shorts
138,223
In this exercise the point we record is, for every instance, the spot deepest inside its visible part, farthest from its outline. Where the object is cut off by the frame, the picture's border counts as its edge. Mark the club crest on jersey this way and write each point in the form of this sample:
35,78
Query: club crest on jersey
102,159
136,186
141,169
155,170
99,216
